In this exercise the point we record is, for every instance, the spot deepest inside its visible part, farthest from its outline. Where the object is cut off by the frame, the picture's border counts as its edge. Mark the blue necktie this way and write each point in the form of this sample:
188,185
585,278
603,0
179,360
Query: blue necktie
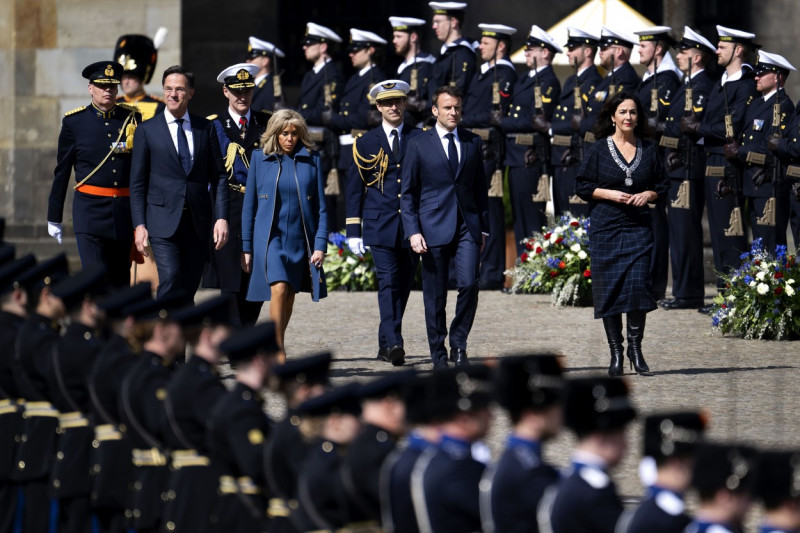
183,147
452,153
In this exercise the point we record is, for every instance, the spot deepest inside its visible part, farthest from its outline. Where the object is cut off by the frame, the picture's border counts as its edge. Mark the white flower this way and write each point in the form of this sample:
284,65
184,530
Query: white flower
568,257
545,245
789,281
576,247
582,255
351,260
580,232
762,288
555,236
789,290
752,284
760,275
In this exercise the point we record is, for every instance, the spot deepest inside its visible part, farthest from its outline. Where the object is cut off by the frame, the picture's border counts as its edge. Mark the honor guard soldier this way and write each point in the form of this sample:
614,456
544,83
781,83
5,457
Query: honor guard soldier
355,113
96,141
615,56
111,467
238,429
722,476
722,123
268,92
670,441
566,152
320,486
597,410
191,394
656,90
373,212
776,486
141,398
239,128
490,92
456,62
383,424
416,68
397,507
320,91
33,352
531,389
787,149
685,164
71,362
138,55
445,479
762,182
527,143
13,312
297,380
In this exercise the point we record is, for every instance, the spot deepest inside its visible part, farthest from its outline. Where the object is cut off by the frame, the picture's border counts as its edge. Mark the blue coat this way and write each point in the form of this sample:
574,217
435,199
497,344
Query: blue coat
259,209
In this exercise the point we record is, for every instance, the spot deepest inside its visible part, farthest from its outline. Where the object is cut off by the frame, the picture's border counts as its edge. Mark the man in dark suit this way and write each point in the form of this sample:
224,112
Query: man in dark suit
177,158
445,216
373,213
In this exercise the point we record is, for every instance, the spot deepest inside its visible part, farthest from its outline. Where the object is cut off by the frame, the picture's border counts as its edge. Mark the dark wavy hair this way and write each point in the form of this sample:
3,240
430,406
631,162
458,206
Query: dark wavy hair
604,127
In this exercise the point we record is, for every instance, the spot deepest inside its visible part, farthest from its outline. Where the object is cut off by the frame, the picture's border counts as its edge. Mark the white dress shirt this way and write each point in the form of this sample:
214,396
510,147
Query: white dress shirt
387,129
235,116
173,130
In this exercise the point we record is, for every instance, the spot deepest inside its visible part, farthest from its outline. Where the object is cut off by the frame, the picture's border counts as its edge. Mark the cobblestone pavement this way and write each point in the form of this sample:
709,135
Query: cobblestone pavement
750,388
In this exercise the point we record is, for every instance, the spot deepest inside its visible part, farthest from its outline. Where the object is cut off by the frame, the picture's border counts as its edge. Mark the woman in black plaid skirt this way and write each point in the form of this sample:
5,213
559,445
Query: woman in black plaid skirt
620,175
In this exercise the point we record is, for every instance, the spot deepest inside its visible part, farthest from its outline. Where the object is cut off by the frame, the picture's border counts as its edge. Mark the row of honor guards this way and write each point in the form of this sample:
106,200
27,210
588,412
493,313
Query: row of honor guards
106,427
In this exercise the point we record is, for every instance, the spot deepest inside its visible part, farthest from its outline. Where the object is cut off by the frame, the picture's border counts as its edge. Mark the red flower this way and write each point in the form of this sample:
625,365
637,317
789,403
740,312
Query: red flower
574,223
529,246
553,273
562,264
587,273
778,291
558,241
547,235
538,250
523,257
778,275
341,251
757,262
724,306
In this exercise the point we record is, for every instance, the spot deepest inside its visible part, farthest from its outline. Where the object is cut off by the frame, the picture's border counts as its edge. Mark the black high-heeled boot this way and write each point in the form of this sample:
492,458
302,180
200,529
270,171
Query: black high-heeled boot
613,327
636,322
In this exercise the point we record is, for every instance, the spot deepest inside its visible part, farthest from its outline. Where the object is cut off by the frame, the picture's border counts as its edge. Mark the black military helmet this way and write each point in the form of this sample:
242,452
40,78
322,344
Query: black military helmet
137,54
87,284
723,466
528,382
597,404
777,478
672,434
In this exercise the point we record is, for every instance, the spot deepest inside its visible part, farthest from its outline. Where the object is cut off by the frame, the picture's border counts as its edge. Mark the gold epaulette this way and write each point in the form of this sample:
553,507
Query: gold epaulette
129,107
212,117
73,111
374,164
425,128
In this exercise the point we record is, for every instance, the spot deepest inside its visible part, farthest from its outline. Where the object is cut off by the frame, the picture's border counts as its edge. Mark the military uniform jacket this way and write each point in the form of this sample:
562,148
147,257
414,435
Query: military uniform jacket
517,482
455,66
449,483
478,104
587,81
521,110
373,196
789,147
312,92
740,93
142,395
757,131
701,526
354,103
264,95
362,469
586,502
227,261
10,419
667,82
85,139
624,77
10,325
701,87
662,511
284,455
321,490
423,65
397,506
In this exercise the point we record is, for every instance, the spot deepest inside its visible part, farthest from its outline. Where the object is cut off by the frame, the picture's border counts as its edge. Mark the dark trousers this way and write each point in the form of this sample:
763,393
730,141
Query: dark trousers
564,190
180,260
394,267
770,235
74,515
529,216
686,241
727,249
8,504
243,310
794,218
659,261
114,253
493,257
36,513
435,266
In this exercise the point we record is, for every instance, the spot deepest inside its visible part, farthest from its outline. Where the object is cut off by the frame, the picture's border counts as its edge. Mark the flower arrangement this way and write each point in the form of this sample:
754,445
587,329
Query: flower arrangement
761,299
346,271
557,261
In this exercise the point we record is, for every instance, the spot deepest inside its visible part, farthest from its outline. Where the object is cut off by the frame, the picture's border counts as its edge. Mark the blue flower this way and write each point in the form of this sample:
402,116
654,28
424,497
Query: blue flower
552,262
744,255
715,321
336,238
747,279
780,253
757,246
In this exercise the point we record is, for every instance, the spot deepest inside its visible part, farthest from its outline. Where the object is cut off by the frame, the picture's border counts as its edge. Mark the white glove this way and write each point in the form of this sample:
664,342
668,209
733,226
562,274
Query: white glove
56,230
356,245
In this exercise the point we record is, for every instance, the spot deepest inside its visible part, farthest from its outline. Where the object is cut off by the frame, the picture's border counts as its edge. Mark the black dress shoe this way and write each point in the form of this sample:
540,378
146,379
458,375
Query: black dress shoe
383,354
706,309
666,302
441,364
459,357
683,303
396,355
490,285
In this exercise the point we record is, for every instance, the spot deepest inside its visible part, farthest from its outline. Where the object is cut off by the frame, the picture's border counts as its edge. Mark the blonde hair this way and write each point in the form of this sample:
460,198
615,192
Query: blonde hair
277,123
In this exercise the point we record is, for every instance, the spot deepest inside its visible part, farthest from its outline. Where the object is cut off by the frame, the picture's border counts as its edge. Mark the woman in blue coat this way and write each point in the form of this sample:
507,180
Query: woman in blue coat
284,219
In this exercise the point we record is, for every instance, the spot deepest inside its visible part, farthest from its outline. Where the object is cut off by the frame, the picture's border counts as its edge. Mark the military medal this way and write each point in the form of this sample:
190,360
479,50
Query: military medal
625,168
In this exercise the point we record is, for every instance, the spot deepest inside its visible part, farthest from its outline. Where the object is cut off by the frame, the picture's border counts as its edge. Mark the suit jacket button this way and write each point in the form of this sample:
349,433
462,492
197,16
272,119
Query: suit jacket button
399,210
399,195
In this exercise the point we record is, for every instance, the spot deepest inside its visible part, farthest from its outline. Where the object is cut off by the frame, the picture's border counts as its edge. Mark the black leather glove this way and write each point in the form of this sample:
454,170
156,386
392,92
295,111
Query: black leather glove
327,115
415,103
774,142
652,123
674,161
374,118
575,121
530,157
723,189
731,149
796,190
690,124
761,177
540,123
496,117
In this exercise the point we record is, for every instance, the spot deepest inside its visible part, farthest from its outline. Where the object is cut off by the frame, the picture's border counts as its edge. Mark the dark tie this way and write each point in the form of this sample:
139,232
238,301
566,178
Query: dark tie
395,144
452,153
243,126
183,147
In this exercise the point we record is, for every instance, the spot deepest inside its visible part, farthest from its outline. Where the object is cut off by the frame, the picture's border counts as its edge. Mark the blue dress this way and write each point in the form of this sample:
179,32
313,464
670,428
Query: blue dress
287,256
620,235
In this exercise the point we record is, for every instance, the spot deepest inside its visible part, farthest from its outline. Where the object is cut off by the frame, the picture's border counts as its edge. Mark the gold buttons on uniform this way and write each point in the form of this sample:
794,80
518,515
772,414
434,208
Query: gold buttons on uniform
60,456
56,483
21,465
327,447
171,526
